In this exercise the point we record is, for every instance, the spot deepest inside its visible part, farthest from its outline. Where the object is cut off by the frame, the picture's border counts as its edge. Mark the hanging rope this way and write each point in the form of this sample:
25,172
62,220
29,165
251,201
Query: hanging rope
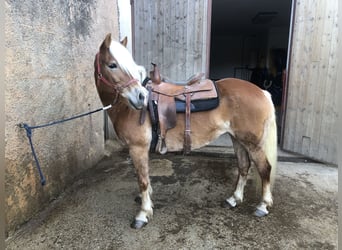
29,135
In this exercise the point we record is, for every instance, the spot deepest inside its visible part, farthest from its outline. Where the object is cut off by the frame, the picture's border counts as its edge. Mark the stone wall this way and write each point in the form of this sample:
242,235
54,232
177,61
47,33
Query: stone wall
50,50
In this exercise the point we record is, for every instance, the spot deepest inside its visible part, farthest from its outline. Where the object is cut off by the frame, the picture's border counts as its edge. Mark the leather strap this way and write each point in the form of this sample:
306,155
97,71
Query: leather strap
187,132
150,105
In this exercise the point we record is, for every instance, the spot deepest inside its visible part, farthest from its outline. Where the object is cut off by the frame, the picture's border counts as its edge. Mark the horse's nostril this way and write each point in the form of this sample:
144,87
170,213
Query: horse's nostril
141,97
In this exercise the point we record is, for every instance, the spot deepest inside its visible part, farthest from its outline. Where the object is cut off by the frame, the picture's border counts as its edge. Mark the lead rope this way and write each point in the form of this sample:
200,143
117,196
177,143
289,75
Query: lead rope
29,135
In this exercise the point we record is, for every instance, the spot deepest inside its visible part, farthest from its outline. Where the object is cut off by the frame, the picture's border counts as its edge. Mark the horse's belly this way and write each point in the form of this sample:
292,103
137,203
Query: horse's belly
204,130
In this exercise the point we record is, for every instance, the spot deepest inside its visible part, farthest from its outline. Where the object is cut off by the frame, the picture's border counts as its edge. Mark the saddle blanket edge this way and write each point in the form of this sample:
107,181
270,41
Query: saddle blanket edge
198,105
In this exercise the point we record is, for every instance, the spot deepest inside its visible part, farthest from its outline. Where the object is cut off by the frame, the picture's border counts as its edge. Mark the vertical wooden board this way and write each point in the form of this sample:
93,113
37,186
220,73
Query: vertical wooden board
298,81
201,20
181,25
138,29
190,32
295,80
165,63
311,103
149,33
203,38
160,16
146,32
197,34
152,44
330,104
321,53
134,28
172,58
319,22
179,29
325,136
312,124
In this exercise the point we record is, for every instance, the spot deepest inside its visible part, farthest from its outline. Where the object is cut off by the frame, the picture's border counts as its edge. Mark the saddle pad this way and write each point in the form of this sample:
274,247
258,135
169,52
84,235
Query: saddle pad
198,105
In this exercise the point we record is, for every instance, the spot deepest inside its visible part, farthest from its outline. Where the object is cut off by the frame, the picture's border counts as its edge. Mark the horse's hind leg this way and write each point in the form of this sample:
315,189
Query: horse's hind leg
264,169
243,165
140,160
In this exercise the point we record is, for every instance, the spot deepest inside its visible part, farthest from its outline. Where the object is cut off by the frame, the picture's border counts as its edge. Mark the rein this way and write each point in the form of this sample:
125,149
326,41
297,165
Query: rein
118,88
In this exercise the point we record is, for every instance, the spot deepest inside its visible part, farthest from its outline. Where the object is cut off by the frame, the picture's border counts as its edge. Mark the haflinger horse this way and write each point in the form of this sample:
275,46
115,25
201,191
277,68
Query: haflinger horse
245,111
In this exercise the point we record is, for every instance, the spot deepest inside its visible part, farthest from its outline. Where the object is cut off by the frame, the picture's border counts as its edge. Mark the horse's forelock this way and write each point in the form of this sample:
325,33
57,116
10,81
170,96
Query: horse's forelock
126,62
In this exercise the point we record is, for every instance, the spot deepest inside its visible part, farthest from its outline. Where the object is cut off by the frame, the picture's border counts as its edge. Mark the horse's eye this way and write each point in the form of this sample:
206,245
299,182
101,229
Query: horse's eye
112,66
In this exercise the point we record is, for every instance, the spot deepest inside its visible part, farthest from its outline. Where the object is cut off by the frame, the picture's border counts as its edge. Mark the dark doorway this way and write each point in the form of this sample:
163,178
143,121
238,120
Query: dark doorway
249,40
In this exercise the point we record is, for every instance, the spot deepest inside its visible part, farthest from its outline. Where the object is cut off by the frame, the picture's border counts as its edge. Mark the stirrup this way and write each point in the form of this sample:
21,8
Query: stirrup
161,146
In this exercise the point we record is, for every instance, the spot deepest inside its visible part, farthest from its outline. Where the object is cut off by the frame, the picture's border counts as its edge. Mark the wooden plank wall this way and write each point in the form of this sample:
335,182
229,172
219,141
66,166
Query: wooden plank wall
172,34
311,111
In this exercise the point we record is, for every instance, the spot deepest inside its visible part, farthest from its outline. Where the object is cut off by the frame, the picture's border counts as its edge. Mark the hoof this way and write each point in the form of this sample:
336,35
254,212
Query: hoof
138,200
231,202
260,213
226,204
138,224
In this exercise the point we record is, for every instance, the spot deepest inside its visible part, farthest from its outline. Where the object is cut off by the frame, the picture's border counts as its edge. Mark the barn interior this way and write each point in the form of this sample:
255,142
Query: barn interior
249,40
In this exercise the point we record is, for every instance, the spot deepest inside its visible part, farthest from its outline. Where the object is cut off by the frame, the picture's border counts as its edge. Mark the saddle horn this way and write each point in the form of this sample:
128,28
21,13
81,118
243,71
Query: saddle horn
155,74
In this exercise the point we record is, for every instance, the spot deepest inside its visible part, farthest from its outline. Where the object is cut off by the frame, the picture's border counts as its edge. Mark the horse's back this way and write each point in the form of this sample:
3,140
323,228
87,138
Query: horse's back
235,85
244,94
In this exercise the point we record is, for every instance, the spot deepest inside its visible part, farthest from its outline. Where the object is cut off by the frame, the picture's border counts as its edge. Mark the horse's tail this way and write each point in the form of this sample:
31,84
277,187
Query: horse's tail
270,145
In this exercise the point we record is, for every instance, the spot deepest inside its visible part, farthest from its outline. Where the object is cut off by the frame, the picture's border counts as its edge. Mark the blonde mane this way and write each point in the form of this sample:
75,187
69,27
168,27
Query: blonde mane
126,62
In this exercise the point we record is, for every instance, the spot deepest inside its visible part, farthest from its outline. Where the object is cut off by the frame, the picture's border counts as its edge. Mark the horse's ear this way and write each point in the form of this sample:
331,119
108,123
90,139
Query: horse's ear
107,41
124,41
155,74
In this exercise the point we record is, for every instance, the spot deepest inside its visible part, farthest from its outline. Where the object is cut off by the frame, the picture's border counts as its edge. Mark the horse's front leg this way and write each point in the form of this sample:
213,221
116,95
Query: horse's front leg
140,159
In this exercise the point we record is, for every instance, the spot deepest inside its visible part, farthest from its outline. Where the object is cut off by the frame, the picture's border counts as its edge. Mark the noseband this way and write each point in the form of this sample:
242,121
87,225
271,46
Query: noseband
118,88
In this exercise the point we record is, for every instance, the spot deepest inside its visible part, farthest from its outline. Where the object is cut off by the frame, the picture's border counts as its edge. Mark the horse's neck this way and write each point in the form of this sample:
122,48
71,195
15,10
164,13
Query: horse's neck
115,100
107,98
118,111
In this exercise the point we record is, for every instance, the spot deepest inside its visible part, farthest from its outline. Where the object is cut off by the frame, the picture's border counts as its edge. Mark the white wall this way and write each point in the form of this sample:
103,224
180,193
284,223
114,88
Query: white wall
125,21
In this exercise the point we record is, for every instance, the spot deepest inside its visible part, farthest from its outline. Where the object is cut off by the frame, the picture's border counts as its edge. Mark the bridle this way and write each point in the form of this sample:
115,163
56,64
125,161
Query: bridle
118,88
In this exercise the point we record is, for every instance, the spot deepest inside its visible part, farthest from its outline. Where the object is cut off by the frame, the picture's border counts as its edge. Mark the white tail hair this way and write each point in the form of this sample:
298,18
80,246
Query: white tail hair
270,145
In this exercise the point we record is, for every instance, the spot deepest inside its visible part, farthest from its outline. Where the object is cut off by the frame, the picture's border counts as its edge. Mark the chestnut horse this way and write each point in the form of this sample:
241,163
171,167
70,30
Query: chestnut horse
245,111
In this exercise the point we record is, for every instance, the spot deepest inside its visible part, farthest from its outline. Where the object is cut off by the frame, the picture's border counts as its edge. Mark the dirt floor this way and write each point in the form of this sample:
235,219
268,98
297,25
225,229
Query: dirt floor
96,211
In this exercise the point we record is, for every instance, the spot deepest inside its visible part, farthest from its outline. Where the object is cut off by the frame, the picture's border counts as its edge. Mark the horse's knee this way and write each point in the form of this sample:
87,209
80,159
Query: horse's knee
243,172
144,182
143,185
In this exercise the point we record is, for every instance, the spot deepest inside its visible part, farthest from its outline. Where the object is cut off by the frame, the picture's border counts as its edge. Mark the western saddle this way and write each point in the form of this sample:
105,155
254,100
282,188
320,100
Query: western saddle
163,97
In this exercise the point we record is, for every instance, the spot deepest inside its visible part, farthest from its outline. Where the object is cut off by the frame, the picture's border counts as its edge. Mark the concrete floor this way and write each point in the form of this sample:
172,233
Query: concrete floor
96,211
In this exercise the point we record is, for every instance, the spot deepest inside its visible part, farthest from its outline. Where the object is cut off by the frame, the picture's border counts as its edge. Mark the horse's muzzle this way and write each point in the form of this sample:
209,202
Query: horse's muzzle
138,98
